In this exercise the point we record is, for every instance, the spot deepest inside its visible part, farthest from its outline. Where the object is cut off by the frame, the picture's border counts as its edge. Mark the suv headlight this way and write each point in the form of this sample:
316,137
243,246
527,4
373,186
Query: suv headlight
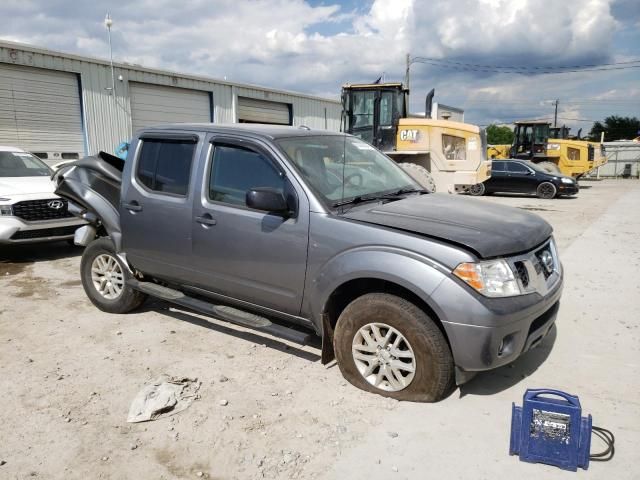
492,278
566,180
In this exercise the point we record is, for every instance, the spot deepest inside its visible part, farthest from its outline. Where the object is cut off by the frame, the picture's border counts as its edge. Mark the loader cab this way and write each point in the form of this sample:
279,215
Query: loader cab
559,133
530,140
371,112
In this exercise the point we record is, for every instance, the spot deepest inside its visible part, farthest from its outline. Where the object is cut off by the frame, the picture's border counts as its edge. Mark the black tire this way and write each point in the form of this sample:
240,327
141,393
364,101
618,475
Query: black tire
434,370
477,190
128,299
546,190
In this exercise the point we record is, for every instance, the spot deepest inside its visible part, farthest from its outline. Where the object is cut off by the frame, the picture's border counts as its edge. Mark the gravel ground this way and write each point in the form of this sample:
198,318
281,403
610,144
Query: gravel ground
68,373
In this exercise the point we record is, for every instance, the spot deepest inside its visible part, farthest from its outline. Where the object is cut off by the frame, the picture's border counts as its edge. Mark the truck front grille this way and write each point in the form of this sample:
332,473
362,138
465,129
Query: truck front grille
37,210
44,233
522,274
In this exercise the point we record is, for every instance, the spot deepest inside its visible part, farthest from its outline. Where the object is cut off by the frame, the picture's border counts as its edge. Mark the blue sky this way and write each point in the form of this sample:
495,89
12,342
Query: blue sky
316,46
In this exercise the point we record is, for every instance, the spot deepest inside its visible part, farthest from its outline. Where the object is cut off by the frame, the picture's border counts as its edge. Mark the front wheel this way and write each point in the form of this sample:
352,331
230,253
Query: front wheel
477,190
104,278
387,345
420,175
546,190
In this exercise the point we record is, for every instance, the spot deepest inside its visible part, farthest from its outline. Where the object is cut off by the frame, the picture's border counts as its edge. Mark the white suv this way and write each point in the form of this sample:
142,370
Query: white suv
29,210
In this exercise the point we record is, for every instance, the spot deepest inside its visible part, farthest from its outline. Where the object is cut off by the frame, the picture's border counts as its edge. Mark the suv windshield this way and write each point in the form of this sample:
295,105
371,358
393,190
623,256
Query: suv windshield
22,164
343,168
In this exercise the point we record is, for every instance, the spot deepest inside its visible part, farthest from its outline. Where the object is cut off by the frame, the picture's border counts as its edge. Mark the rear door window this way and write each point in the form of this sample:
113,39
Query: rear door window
236,170
164,166
497,166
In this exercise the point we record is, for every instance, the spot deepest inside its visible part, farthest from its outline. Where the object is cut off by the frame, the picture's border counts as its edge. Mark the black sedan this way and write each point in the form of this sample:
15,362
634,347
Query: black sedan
521,176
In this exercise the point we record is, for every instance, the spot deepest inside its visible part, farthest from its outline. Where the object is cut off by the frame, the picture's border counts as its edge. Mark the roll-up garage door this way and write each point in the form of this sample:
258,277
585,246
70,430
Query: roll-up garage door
156,104
40,110
251,110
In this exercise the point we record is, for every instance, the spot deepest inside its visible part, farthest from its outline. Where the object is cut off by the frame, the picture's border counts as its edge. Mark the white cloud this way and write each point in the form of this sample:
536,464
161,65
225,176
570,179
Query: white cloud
291,44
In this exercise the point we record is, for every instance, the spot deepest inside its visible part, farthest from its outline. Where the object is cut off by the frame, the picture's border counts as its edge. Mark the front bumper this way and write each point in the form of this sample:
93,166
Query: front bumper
568,189
14,230
487,333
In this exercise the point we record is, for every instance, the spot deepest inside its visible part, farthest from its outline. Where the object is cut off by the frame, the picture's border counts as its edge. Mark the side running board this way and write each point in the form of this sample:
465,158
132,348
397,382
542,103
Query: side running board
223,312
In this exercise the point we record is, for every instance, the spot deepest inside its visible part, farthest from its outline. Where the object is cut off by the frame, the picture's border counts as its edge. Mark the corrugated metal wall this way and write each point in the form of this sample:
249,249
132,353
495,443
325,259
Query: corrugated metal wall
107,119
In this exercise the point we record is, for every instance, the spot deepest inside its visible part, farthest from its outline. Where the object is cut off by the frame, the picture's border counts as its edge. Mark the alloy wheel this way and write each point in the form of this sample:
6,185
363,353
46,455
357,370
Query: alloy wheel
107,276
383,357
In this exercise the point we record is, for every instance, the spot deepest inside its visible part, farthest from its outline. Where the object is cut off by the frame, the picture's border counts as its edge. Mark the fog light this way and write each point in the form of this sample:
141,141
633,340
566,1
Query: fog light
506,345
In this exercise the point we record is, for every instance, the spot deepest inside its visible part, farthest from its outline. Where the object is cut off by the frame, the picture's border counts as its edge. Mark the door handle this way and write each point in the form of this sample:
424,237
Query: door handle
133,206
206,219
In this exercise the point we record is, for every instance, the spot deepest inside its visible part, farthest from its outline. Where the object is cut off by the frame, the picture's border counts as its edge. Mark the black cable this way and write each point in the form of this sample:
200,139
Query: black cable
609,439
524,67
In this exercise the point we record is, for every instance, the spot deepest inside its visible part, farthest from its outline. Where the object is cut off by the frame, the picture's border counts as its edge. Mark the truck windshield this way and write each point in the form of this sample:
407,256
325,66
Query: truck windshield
22,164
343,168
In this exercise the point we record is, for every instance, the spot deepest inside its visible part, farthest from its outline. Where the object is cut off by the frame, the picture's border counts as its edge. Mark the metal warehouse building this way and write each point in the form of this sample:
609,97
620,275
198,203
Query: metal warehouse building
61,106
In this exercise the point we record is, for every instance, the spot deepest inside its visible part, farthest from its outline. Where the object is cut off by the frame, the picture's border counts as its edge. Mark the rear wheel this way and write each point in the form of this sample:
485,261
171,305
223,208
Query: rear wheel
387,345
549,167
477,190
546,190
104,278
420,175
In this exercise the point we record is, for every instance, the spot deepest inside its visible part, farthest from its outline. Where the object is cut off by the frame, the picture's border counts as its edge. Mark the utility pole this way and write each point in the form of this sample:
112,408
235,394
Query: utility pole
406,78
555,116
107,23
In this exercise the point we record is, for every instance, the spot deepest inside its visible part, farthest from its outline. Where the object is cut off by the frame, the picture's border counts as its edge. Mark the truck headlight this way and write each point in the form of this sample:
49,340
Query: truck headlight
492,278
6,210
566,180
553,146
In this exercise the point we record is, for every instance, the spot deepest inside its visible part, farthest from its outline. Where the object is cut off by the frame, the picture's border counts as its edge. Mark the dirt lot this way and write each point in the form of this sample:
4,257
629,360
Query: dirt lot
69,372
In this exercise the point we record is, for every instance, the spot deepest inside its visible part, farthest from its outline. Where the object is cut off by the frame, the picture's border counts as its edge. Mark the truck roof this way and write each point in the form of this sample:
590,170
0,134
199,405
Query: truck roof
260,130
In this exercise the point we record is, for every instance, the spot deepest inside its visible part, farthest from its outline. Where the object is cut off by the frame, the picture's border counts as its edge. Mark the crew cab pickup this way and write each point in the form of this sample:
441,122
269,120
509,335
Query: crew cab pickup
293,231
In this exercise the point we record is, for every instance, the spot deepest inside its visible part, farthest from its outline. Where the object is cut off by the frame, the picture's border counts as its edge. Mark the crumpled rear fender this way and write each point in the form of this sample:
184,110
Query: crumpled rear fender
93,184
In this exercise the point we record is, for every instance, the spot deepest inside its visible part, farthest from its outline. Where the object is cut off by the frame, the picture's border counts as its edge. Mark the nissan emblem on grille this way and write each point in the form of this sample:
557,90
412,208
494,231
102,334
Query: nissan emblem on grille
547,261
56,204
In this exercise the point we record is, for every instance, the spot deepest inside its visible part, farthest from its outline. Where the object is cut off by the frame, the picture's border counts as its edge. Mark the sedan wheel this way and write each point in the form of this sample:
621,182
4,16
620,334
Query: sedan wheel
546,190
477,190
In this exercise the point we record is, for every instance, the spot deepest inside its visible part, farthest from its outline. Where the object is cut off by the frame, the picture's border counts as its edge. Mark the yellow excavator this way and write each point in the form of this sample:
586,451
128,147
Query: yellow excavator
551,148
441,155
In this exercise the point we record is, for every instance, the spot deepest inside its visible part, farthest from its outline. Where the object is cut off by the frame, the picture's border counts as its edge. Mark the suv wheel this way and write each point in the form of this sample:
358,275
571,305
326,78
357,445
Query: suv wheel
387,345
546,190
477,190
104,278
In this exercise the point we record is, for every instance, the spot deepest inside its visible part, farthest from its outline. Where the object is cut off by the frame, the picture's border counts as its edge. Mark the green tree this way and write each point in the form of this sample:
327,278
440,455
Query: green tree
499,135
616,128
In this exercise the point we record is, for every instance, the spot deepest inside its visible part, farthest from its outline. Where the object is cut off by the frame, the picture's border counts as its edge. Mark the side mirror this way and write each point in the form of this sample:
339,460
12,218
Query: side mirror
267,199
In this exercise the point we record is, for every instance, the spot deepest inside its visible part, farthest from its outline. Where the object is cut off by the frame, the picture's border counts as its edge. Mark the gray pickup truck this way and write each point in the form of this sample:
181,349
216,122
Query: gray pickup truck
293,231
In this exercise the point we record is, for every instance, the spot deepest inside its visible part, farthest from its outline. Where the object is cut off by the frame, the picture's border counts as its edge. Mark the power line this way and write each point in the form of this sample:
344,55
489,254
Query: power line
525,67
534,70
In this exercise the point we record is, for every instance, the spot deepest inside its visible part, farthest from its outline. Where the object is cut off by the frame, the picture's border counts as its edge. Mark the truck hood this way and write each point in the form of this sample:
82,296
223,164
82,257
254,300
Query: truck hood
25,186
485,228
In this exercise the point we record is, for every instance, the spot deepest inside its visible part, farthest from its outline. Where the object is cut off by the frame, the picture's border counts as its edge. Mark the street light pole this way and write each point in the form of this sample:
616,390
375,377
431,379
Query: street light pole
107,23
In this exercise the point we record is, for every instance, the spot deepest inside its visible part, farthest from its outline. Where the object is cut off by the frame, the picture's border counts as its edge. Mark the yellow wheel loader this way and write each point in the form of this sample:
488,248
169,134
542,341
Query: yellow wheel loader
551,148
441,155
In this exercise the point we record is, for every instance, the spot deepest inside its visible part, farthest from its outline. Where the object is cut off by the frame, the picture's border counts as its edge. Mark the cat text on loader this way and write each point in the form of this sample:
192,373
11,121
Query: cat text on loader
441,155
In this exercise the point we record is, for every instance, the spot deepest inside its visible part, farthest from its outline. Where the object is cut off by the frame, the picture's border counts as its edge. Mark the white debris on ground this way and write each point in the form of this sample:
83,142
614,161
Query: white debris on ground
163,397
